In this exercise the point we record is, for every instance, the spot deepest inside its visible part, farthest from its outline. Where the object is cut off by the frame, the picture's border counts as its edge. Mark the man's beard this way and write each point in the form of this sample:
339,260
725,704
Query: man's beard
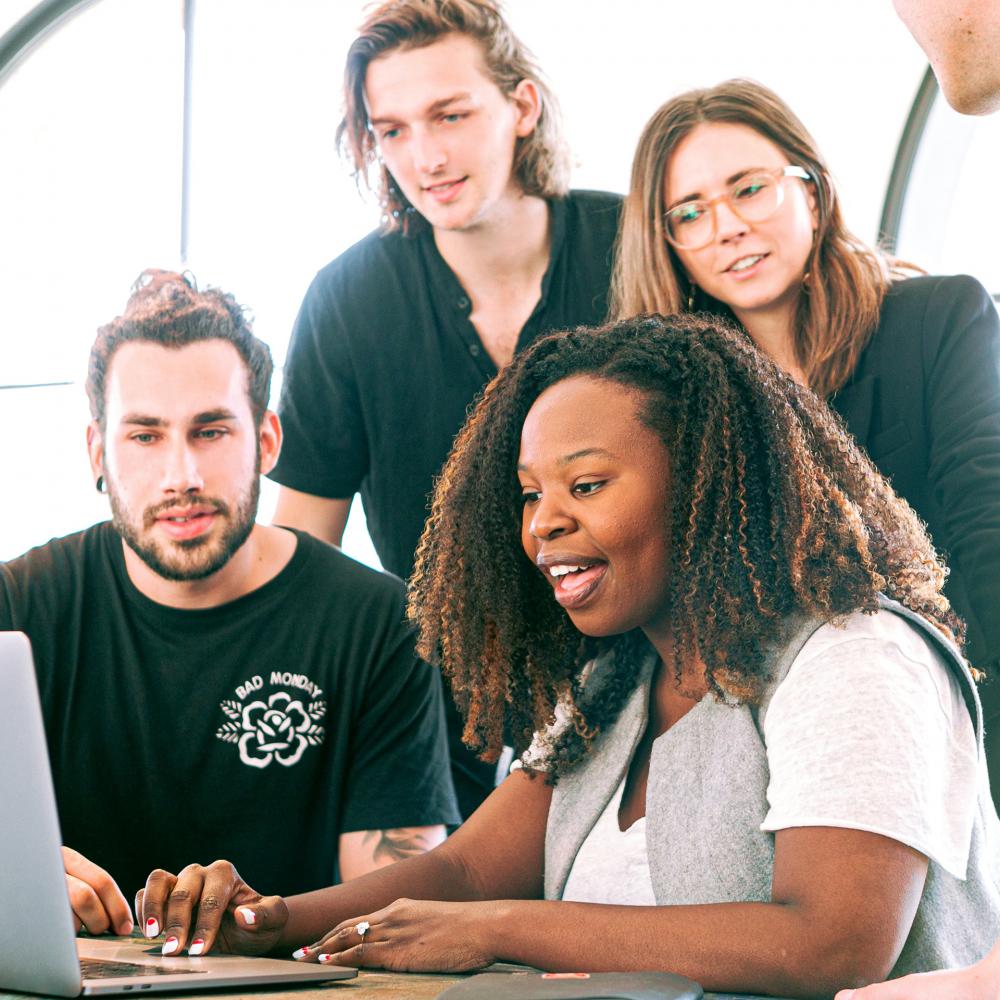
193,558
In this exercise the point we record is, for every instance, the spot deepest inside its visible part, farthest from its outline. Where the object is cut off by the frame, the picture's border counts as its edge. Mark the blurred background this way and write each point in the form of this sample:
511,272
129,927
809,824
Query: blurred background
97,181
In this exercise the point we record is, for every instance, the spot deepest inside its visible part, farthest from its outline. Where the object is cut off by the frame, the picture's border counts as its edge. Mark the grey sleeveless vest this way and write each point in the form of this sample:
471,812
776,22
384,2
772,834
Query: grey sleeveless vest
706,797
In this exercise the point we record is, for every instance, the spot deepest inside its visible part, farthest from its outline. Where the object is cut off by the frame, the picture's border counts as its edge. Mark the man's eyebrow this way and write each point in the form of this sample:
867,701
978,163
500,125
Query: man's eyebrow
213,416
431,109
142,420
205,417
574,455
730,180
439,105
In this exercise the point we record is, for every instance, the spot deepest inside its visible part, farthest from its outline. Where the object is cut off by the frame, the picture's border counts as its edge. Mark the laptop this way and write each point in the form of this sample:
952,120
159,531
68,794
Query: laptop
39,949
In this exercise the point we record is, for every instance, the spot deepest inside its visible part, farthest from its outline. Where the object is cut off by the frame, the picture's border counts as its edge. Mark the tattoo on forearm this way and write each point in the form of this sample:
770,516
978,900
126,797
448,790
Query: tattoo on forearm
388,846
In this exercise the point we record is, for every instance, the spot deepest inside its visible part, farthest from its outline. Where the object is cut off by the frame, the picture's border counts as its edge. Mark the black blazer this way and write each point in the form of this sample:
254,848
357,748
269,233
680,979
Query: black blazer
924,402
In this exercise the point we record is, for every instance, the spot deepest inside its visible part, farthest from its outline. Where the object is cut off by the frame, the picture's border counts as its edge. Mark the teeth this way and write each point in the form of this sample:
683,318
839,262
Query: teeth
742,265
558,571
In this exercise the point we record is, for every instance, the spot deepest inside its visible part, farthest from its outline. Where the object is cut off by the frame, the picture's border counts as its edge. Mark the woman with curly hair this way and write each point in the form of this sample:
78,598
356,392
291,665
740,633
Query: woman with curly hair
755,758
732,210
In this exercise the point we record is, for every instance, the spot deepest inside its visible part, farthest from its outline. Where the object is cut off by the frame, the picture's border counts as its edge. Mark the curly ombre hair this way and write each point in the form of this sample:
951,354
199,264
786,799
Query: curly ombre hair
772,511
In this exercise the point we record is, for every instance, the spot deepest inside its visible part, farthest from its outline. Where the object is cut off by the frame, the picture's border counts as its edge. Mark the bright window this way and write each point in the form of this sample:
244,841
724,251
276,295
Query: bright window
91,127
951,213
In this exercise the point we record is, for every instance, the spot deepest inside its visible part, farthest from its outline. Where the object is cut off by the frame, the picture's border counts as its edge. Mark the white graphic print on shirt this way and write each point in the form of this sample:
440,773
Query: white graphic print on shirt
271,727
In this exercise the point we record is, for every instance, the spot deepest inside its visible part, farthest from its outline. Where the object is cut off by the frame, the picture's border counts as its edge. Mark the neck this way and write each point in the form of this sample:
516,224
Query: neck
265,553
772,330
509,247
669,700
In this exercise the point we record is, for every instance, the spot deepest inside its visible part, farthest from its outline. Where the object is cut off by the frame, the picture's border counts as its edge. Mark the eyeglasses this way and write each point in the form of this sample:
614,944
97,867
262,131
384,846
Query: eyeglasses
753,198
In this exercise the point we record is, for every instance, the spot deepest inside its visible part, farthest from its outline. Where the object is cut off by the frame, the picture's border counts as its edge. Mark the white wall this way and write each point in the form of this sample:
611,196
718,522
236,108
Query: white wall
90,163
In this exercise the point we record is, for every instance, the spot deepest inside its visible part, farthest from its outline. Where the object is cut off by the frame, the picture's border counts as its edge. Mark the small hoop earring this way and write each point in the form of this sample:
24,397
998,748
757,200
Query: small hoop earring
99,485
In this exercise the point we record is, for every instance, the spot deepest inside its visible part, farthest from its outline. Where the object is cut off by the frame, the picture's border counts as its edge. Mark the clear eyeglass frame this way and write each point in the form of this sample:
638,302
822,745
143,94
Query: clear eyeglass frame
750,212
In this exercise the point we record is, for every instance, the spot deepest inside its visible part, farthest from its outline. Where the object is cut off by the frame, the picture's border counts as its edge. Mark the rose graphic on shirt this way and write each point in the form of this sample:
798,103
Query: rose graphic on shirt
277,729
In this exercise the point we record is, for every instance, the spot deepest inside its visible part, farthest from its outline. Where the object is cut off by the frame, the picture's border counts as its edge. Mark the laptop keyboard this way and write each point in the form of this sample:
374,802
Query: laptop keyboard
99,968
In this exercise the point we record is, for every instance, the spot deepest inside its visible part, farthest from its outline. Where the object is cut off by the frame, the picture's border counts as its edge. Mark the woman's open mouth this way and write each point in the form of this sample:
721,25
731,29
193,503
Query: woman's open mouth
573,583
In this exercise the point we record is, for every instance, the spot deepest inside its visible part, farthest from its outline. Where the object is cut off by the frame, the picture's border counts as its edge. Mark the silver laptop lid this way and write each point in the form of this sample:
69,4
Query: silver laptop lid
39,951
34,903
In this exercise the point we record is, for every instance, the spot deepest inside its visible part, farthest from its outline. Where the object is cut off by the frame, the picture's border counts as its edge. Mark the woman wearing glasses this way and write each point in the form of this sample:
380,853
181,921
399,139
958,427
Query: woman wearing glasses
732,210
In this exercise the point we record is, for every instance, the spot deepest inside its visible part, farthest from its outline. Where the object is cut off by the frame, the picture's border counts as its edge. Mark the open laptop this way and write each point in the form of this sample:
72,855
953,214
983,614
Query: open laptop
39,951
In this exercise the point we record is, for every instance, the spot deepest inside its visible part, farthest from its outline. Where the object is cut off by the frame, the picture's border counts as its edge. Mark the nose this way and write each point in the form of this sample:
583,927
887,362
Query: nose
428,152
549,519
728,225
181,473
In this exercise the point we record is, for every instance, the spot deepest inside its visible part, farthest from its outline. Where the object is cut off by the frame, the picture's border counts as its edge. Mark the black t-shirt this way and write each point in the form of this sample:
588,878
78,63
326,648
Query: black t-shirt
257,731
384,363
383,366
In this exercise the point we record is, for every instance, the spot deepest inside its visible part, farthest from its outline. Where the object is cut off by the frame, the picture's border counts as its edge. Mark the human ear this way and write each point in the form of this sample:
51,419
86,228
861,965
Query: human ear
270,441
528,103
95,449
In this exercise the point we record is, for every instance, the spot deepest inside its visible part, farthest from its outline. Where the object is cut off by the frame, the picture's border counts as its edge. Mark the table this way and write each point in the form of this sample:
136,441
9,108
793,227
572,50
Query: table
369,985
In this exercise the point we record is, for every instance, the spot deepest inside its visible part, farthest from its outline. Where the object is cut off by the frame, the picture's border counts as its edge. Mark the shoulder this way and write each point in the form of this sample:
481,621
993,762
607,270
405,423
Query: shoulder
362,269
586,201
60,556
922,318
869,731
868,658
932,303
594,212
45,581
330,574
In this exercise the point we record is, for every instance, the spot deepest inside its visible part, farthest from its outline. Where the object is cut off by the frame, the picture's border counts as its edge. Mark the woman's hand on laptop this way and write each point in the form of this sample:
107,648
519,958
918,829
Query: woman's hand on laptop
211,905
98,903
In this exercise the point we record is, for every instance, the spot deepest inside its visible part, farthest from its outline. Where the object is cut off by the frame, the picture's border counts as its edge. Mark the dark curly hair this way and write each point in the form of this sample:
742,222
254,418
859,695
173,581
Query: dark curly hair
169,309
773,511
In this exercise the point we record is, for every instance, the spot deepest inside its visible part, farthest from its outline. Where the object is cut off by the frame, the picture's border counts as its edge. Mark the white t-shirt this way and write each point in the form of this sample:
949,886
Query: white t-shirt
612,865
868,731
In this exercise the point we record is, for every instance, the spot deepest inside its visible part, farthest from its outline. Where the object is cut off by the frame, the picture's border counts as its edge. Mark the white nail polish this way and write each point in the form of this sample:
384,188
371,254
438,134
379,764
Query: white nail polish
300,953
326,959
248,915
152,928
197,948
170,946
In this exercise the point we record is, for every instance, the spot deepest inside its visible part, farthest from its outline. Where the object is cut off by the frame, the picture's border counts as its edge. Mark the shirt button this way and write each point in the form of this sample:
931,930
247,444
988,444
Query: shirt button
463,303
474,350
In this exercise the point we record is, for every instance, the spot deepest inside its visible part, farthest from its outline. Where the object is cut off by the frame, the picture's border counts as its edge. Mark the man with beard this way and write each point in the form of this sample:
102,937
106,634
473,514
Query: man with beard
213,687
